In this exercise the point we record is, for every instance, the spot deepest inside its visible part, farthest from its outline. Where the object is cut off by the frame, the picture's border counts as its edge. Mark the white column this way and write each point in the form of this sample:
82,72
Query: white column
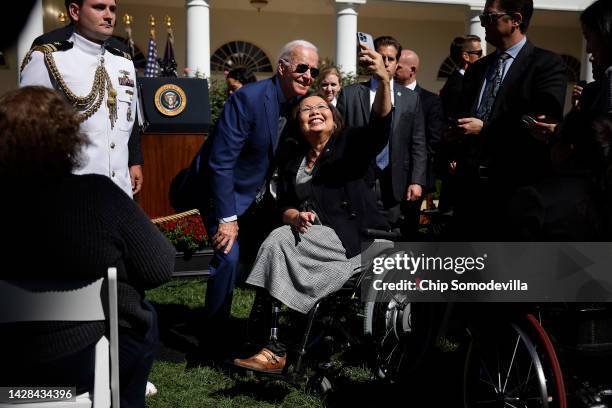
473,26
586,67
198,37
32,29
346,35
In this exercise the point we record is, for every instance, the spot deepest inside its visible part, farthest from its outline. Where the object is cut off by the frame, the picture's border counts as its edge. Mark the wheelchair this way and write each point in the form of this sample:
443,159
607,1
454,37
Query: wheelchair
341,323
540,355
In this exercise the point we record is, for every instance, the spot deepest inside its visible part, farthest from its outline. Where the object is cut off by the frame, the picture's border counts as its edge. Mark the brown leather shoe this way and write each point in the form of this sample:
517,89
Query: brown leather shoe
265,361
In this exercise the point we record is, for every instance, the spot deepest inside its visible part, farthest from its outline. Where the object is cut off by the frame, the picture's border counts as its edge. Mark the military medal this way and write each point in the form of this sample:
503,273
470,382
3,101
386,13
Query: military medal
125,79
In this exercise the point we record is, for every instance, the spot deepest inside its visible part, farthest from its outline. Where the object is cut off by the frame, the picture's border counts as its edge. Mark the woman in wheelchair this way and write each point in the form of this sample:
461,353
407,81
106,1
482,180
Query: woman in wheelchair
325,206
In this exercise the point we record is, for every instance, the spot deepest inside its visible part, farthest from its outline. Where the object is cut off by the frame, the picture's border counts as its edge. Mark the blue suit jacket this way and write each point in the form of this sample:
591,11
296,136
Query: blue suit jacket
236,158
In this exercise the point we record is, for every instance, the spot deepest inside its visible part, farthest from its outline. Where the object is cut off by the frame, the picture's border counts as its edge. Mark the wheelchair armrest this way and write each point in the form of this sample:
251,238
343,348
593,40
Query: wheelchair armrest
393,235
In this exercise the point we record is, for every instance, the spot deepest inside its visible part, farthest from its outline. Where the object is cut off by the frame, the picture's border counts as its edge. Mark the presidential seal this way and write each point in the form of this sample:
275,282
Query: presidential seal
170,100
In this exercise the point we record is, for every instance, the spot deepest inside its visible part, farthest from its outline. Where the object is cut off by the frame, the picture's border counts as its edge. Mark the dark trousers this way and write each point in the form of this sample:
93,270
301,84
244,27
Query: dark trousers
403,214
136,355
254,226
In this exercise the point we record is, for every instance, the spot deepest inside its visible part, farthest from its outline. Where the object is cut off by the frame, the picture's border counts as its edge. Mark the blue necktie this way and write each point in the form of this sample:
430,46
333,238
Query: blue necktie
491,88
382,159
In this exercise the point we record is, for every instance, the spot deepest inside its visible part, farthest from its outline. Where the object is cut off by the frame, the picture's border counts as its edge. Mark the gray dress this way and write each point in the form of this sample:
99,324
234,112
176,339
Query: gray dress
299,269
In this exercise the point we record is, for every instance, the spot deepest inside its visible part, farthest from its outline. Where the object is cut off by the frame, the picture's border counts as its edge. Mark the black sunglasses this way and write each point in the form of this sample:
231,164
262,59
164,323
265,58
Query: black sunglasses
488,18
302,68
475,52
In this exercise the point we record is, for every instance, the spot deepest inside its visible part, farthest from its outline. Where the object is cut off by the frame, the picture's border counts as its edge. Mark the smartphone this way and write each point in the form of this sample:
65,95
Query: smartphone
528,120
366,39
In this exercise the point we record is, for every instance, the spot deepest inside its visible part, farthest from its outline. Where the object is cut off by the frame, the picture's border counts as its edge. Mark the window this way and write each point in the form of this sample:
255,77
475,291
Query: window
447,68
240,54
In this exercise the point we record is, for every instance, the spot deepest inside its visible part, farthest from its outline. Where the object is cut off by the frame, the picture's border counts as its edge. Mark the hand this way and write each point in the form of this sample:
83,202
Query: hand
373,63
136,177
542,129
226,236
303,220
414,192
576,92
470,126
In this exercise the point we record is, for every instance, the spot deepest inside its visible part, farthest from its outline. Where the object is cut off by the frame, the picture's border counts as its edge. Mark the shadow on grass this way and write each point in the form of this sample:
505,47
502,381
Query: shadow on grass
260,389
183,330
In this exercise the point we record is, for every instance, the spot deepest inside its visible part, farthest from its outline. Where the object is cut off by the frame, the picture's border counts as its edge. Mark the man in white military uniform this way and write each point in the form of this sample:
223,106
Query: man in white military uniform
98,79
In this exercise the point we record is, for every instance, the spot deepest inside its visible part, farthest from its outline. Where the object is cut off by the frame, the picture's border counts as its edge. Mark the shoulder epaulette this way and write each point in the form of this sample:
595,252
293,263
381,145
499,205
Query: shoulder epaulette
45,48
118,53
53,46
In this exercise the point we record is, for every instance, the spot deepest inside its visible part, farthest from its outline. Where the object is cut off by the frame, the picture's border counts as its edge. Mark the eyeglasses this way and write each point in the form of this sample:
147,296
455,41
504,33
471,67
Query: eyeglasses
302,68
475,52
308,108
488,18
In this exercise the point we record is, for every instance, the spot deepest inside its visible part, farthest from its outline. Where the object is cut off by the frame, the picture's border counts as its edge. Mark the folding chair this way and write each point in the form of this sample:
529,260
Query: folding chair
57,300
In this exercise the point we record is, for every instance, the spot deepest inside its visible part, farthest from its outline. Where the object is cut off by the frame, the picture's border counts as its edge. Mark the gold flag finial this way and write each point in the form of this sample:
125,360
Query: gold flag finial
127,19
168,21
152,25
62,18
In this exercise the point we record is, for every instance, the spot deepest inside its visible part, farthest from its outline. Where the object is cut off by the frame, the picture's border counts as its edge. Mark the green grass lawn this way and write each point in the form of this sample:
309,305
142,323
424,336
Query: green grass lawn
185,382
180,385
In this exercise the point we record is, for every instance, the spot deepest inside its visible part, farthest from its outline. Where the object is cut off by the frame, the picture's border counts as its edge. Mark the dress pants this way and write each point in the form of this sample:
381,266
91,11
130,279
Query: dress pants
254,226
136,355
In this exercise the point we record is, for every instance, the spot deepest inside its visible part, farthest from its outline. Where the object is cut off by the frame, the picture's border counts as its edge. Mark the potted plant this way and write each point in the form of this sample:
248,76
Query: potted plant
187,233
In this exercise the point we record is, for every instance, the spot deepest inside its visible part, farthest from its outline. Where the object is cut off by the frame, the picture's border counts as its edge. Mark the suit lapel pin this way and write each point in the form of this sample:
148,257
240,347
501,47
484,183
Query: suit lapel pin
399,93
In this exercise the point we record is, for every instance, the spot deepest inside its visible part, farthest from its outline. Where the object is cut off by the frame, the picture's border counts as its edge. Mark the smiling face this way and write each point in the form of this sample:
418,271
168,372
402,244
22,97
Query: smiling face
94,19
330,86
294,83
315,118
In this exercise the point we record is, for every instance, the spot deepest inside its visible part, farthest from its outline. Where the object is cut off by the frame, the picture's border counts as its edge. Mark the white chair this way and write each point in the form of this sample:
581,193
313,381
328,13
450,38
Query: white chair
58,300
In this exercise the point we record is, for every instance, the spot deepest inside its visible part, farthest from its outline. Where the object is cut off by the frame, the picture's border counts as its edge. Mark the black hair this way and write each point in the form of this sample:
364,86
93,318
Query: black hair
525,7
241,75
77,2
460,45
388,40
598,18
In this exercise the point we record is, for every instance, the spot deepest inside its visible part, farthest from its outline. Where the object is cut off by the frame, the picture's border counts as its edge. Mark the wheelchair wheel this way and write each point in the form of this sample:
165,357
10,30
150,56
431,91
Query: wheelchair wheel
512,364
401,331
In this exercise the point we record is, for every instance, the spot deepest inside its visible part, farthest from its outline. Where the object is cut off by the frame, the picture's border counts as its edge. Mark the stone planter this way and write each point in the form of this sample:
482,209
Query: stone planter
195,264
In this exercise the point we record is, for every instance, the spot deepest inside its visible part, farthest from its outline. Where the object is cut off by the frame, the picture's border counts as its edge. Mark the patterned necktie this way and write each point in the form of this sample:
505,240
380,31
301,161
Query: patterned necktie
382,159
491,88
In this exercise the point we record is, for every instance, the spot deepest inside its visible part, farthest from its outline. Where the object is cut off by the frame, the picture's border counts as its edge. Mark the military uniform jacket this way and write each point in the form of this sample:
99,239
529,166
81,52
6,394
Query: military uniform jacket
107,153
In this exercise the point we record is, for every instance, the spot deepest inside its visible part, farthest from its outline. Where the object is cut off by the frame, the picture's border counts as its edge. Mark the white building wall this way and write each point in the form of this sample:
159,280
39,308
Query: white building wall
558,31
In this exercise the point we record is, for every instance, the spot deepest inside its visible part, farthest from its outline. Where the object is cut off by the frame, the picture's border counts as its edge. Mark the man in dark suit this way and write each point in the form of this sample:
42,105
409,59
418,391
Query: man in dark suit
235,166
499,153
400,168
406,75
464,51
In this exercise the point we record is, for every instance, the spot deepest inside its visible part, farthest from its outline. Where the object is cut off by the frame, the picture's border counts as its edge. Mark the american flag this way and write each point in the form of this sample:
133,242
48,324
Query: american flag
152,66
